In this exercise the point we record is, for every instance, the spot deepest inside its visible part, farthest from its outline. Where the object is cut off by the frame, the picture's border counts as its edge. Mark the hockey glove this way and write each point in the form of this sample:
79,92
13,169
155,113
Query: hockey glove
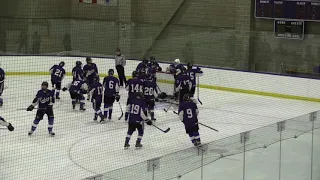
64,89
149,122
117,97
10,127
30,108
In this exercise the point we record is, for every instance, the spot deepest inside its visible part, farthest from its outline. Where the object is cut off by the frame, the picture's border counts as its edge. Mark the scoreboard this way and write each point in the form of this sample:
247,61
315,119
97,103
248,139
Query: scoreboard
308,10
289,29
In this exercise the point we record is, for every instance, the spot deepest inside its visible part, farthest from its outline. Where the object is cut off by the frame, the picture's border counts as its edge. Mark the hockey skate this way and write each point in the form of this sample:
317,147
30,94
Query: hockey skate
102,119
126,146
73,106
30,133
95,117
82,109
138,145
52,134
58,97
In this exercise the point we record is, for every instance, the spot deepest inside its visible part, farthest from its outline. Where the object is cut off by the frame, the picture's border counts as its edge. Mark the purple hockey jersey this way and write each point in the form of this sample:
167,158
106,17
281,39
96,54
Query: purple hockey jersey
96,91
90,70
44,99
188,112
57,73
77,73
137,111
133,86
111,86
193,73
149,88
183,82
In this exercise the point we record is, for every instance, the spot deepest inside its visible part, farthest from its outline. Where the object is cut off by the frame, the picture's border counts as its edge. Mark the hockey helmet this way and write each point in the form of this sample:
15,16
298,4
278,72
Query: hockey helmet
189,65
61,63
135,74
111,72
162,95
89,60
78,63
186,97
152,58
44,85
177,61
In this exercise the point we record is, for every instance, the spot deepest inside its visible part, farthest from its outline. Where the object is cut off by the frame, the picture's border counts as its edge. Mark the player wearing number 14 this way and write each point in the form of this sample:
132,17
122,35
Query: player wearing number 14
57,74
188,112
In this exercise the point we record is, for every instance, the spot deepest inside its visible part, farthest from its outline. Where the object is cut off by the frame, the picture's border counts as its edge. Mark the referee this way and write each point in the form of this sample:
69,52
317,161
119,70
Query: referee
120,61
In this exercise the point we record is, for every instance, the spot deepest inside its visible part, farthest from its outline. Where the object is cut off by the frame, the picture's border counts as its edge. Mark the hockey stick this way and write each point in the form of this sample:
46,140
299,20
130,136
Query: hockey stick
208,127
165,131
171,103
121,111
176,112
198,87
20,109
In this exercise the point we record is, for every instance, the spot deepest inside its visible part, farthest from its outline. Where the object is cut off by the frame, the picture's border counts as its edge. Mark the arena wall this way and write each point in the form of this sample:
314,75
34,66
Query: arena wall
216,79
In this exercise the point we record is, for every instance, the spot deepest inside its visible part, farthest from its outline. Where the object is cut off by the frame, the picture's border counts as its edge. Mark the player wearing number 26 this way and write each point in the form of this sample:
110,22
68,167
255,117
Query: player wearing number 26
188,112
57,74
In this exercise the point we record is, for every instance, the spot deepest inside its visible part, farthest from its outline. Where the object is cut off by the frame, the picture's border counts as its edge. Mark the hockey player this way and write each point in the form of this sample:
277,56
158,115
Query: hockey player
90,72
7,124
57,74
182,84
142,66
111,93
193,73
134,85
153,67
76,89
176,68
77,72
2,77
137,118
188,112
96,93
45,100
149,88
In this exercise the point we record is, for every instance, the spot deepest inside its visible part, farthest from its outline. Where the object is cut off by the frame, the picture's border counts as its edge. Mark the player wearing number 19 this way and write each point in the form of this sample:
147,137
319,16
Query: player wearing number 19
134,85
95,92
57,74
188,112
111,93
137,118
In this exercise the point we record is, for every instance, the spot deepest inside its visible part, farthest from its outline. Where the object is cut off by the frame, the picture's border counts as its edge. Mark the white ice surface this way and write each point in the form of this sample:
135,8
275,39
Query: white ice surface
83,148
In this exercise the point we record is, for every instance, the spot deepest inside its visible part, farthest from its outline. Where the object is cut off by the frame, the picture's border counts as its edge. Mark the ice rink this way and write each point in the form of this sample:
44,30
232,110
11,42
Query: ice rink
83,148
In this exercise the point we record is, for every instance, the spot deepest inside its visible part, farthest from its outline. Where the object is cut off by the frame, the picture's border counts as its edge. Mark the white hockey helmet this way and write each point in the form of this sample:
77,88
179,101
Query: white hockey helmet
177,61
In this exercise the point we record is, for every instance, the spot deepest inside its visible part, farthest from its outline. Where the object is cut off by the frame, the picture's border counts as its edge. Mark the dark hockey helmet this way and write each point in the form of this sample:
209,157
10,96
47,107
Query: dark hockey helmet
44,85
183,70
162,95
189,65
61,63
111,72
152,58
78,63
145,61
139,95
186,97
135,74
96,78
89,60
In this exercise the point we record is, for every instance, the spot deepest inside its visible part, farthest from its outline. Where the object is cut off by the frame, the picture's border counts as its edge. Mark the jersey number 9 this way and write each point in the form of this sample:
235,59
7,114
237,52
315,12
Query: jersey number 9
189,113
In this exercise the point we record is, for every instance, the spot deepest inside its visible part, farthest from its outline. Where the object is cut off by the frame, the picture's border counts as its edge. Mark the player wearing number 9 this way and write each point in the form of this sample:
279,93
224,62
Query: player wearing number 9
111,93
57,74
188,112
